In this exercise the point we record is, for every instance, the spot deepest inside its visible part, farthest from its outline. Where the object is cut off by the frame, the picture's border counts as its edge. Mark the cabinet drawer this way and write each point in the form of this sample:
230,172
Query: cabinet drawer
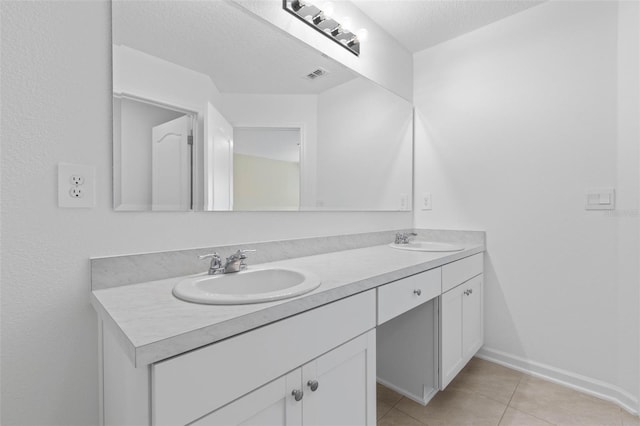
405,294
189,386
457,272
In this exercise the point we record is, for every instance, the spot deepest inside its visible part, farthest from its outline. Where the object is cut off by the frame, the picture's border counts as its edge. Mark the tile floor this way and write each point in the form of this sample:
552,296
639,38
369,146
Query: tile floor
488,394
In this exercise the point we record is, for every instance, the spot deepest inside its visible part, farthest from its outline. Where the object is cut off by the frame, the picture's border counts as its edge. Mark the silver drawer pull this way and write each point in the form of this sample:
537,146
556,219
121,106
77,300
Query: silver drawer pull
417,292
313,384
297,394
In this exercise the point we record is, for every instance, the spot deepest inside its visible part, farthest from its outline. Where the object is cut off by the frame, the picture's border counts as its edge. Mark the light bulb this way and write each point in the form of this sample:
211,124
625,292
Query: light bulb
328,9
362,34
346,23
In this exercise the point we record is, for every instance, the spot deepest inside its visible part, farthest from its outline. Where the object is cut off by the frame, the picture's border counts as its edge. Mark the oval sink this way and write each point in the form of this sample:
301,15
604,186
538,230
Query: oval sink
248,286
426,246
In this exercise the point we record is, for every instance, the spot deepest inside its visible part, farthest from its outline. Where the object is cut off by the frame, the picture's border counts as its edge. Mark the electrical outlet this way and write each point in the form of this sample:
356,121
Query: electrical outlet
426,201
76,192
77,179
76,185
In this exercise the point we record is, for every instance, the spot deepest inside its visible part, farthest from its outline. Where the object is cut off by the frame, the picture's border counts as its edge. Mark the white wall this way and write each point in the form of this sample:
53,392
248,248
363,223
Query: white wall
382,59
379,148
261,183
514,122
56,107
146,76
628,147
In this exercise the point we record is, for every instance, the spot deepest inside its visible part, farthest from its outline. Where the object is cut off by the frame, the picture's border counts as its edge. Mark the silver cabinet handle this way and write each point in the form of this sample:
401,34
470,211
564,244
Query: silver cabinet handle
470,291
313,384
297,394
417,292
466,292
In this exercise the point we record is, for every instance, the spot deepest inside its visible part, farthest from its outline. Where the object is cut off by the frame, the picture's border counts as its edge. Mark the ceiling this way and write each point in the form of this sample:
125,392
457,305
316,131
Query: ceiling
227,43
235,49
420,24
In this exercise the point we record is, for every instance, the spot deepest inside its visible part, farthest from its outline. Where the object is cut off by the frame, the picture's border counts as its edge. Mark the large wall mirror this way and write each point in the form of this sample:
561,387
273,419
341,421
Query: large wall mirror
215,109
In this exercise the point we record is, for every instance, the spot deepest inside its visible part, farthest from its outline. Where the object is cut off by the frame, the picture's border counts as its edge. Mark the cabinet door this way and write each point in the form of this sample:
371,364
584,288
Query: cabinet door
270,405
472,318
451,355
461,327
346,385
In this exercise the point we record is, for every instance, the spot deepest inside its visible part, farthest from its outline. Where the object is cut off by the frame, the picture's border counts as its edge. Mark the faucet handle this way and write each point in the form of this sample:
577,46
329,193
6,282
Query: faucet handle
242,254
236,262
216,262
209,256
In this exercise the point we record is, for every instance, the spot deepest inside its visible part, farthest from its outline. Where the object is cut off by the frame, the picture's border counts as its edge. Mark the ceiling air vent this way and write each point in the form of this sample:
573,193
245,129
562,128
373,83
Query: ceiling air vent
320,72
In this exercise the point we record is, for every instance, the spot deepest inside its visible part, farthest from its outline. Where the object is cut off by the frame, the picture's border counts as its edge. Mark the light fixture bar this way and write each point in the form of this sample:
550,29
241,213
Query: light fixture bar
315,18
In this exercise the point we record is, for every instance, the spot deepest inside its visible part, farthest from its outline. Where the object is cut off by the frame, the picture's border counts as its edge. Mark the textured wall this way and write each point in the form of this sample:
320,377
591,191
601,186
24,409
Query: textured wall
56,107
514,122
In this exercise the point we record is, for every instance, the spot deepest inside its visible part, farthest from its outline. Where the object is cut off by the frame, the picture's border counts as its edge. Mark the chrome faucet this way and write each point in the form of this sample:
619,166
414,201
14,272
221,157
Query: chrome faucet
403,238
234,263
216,263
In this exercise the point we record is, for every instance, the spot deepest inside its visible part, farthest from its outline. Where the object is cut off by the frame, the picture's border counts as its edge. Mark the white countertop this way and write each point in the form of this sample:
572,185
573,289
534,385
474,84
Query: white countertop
151,324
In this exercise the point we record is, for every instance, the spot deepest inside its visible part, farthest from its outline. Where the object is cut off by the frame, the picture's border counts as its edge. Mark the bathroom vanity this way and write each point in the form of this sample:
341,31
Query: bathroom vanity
407,319
185,141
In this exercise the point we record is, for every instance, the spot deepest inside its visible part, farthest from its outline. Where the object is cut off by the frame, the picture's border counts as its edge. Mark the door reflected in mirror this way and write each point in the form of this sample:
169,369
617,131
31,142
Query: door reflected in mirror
153,146
207,117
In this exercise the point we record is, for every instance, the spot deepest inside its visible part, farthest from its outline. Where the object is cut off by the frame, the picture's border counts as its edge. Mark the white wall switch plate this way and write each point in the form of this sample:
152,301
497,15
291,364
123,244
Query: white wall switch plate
600,199
426,201
404,201
76,186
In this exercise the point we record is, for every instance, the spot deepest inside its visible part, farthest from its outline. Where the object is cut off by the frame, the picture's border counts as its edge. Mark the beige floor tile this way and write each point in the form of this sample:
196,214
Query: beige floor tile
398,418
561,405
513,417
457,408
382,409
488,379
629,419
386,395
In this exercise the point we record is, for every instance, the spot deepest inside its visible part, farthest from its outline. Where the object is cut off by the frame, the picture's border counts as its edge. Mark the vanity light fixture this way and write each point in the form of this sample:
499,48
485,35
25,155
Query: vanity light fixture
324,23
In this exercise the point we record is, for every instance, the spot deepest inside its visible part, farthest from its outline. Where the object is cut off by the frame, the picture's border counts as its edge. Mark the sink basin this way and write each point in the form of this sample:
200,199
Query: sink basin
427,246
248,286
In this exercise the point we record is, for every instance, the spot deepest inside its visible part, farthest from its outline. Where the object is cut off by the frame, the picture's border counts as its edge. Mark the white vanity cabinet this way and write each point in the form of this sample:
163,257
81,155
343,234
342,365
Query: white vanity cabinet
429,326
345,385
318,366
336,388
400,296
250,378
461,316
271,404
407,350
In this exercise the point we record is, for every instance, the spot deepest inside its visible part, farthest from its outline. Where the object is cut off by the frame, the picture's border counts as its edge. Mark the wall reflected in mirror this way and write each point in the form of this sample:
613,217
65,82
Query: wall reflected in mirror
207,117
266,168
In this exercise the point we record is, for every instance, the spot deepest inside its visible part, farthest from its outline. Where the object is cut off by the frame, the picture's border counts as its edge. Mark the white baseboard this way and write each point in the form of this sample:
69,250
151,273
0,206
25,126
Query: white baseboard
424,400
575,381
